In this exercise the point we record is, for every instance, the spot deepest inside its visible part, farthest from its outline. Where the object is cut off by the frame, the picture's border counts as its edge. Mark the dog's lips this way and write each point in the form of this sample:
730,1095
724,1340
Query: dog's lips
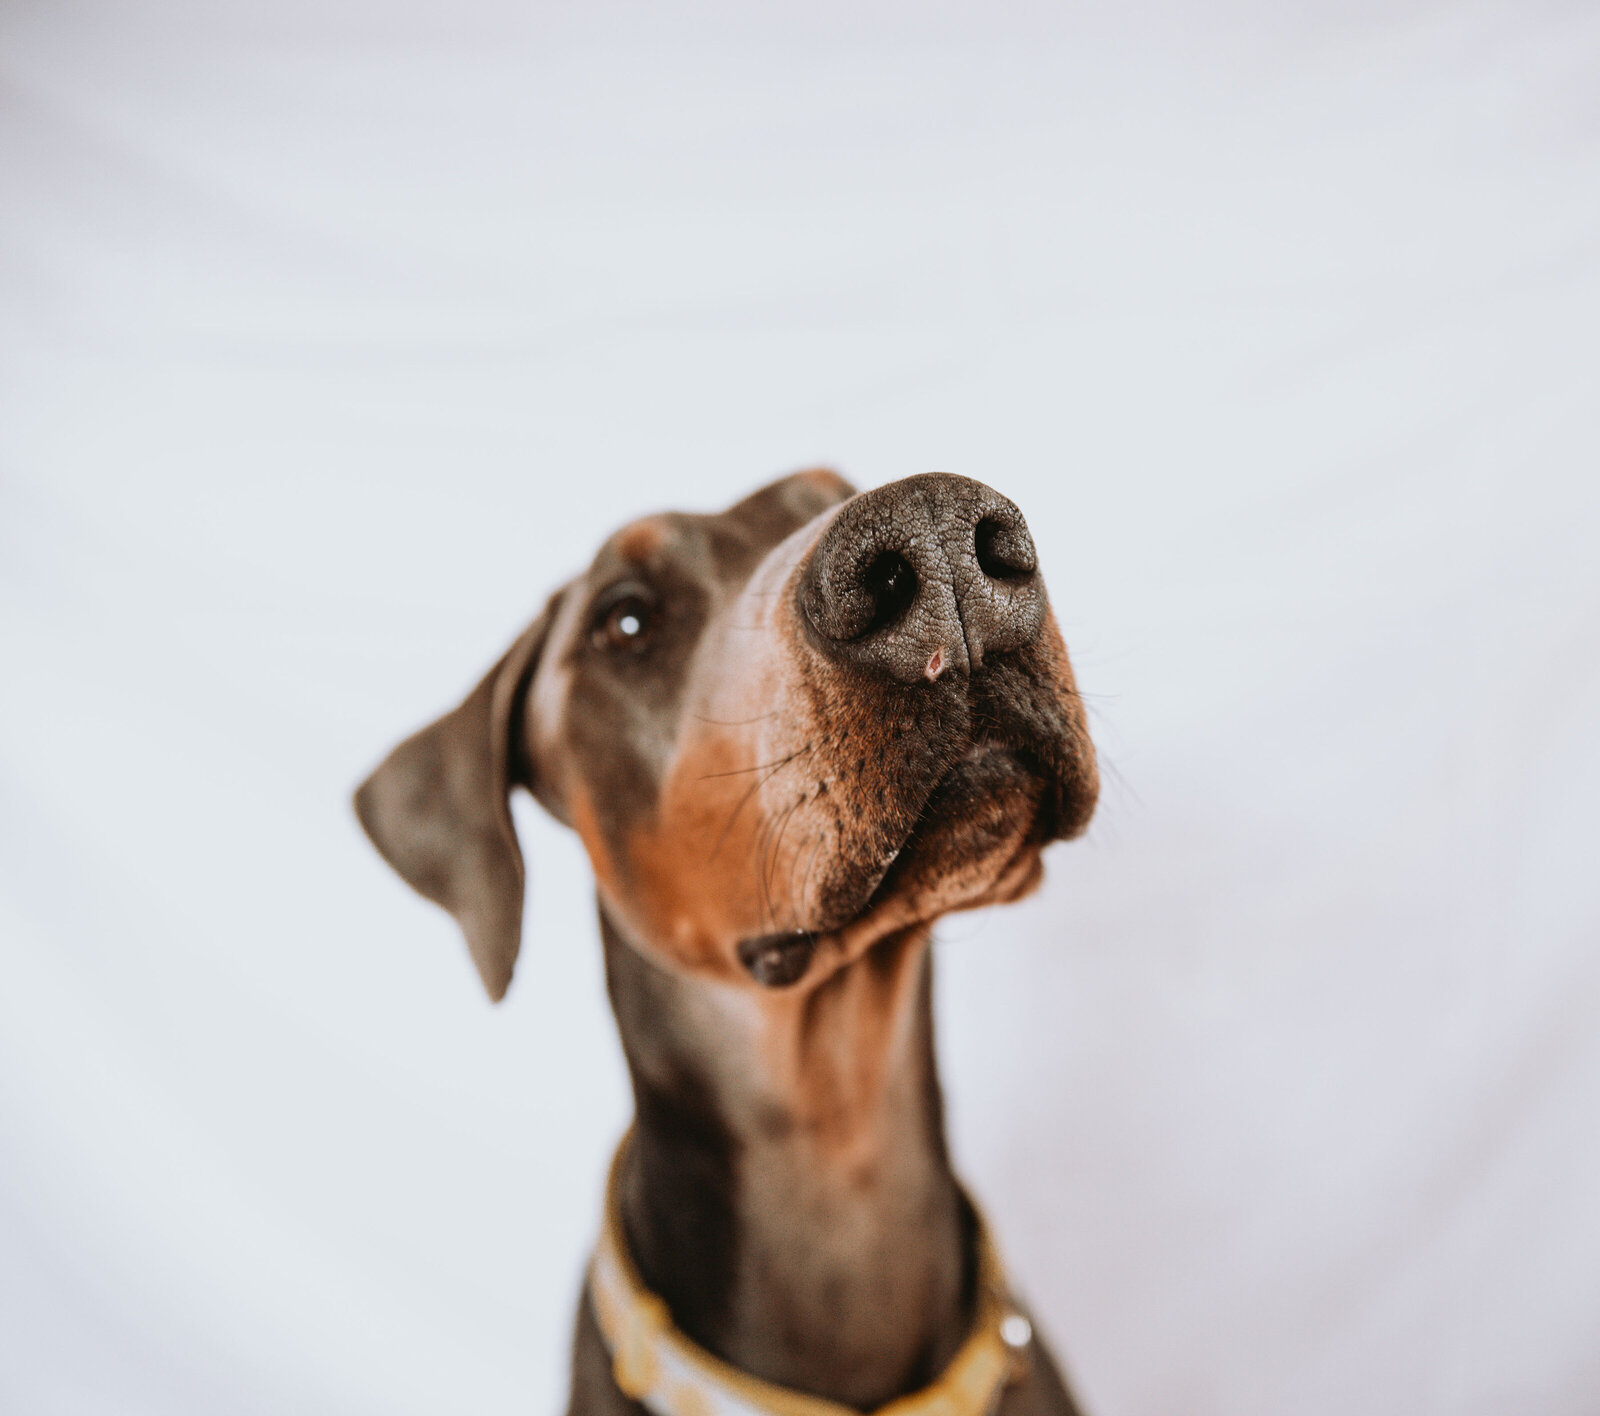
987,775
975,840
993,799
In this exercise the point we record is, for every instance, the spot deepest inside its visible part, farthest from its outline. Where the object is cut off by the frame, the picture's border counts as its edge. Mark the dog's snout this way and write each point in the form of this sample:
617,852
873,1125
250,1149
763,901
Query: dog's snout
926,574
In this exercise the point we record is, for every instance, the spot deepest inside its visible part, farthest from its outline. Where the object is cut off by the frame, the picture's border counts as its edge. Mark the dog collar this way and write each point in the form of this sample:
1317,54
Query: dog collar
658,1366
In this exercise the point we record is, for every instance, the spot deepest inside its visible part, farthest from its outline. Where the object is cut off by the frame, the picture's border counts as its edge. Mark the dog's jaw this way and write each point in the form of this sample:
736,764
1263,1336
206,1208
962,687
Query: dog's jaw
789,1194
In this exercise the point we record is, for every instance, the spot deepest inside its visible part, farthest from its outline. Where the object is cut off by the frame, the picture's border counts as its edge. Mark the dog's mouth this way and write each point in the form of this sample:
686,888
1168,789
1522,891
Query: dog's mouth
993,802
975,840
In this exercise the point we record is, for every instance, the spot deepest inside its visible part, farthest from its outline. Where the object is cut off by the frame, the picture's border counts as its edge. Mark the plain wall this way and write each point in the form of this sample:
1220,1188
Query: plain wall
333,335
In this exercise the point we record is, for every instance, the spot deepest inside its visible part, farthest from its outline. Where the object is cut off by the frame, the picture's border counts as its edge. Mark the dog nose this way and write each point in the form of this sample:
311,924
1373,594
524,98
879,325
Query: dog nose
929,573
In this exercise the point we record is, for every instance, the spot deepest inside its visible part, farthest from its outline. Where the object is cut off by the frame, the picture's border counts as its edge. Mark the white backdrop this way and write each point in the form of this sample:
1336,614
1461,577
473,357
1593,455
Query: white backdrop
332,335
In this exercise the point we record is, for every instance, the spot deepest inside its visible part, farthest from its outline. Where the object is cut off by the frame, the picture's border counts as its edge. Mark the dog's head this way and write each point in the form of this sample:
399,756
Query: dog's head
782,733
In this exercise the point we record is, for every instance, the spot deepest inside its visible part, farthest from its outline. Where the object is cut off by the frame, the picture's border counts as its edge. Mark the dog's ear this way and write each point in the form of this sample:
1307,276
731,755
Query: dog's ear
438,808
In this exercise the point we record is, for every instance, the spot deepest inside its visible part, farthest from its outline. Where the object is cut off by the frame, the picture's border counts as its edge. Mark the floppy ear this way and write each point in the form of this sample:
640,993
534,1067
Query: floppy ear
438,808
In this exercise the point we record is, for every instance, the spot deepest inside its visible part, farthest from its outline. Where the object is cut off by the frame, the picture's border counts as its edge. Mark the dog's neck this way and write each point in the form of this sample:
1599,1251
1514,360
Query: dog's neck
788,1191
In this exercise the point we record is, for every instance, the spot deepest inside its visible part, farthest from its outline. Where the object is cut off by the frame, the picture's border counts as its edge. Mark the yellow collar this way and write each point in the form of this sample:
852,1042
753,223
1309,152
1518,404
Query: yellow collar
657,1365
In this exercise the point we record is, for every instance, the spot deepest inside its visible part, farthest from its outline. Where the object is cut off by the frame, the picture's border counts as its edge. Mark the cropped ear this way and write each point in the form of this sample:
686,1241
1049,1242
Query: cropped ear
438,808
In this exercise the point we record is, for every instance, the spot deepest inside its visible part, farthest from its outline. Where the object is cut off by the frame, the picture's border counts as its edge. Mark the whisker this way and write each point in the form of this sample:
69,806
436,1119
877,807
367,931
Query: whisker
1110,769
762,834
811,862
733,722
758,767
770,866
753,789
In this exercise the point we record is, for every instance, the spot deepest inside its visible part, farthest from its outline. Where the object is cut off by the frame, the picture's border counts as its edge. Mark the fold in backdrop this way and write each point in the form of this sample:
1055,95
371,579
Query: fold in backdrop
333,335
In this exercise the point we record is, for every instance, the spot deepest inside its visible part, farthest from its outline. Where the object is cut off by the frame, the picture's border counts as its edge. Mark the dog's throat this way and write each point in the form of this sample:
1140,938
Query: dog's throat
656,1364
788,1193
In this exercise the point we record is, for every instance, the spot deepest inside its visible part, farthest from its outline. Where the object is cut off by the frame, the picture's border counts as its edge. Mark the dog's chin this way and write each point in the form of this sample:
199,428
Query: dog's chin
985,813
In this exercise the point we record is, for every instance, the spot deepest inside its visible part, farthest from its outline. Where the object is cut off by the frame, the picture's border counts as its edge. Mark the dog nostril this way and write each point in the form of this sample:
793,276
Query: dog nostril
1004,552
892,583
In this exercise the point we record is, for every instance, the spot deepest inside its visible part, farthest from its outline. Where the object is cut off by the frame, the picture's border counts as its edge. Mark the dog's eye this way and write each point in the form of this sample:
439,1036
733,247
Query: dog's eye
625,623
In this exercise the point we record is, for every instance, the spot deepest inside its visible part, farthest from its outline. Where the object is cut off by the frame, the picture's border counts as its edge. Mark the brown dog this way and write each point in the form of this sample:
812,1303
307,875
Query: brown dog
791,736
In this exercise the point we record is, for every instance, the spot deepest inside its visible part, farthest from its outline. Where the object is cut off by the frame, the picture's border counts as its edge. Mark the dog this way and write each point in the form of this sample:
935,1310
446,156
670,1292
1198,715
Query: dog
791,736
